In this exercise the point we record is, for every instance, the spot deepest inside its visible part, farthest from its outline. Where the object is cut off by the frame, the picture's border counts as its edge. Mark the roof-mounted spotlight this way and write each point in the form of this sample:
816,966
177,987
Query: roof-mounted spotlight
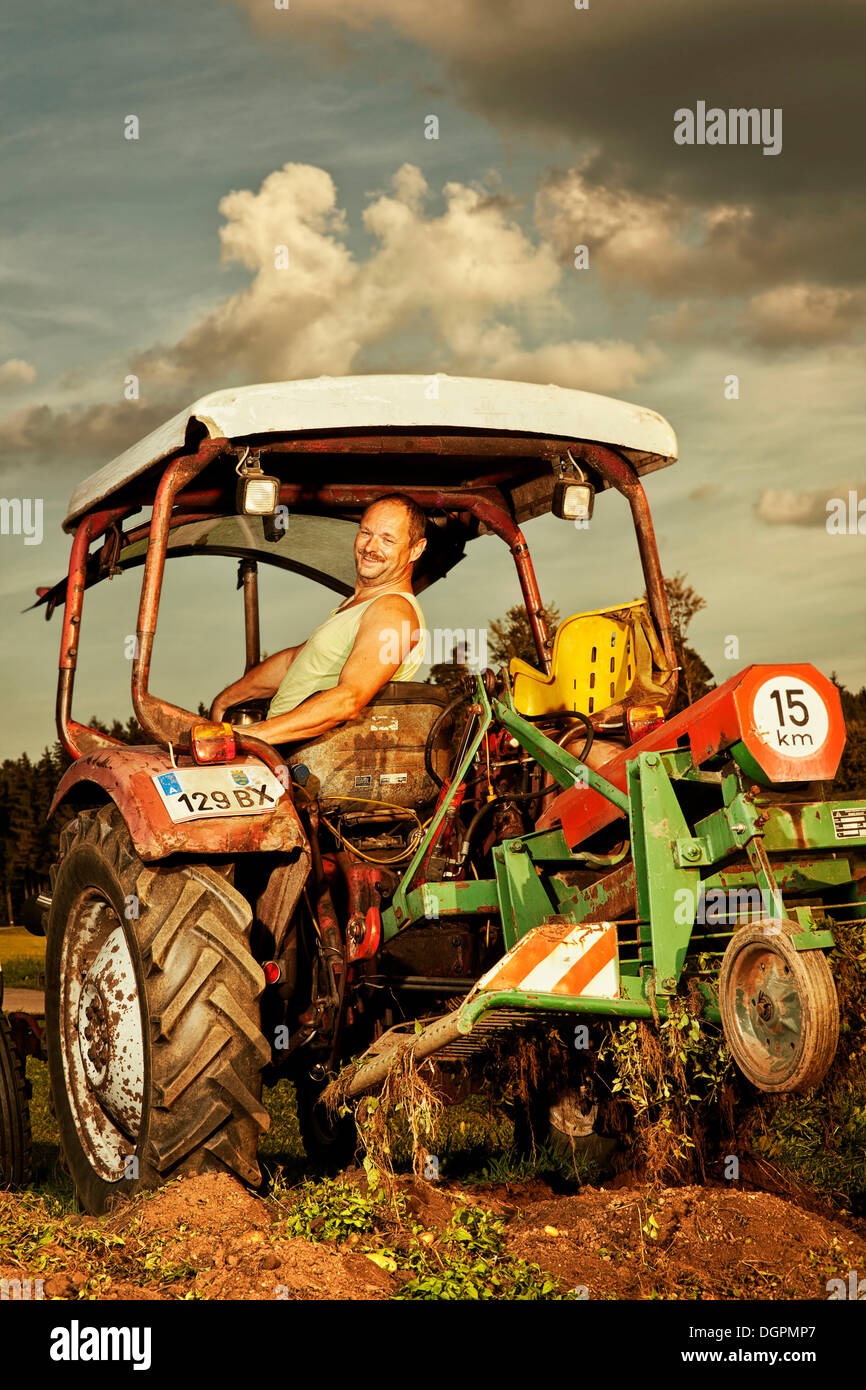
258,494
573,493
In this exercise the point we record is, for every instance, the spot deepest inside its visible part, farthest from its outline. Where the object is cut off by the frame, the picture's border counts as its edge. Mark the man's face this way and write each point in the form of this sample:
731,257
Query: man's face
382,549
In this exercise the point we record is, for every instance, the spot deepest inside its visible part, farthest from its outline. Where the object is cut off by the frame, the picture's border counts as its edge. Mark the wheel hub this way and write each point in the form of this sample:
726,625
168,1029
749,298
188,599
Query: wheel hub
102,1037
110,1035
93,1030
773,1005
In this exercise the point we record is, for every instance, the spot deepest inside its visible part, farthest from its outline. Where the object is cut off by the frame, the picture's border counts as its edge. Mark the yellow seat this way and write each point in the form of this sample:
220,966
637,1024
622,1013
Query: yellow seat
601,658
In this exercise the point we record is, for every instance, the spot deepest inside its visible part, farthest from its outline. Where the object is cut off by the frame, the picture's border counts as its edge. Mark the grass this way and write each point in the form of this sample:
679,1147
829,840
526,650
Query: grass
22,958
45,1239
547,1163
50,1179
821,1140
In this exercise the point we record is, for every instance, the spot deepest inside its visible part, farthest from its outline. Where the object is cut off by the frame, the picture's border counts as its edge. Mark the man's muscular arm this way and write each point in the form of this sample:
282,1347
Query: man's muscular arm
262,681
388,628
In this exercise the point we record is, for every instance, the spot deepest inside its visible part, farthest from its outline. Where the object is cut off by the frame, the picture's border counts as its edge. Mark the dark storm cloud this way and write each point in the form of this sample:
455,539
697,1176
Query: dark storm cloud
618,72
610,78
615,73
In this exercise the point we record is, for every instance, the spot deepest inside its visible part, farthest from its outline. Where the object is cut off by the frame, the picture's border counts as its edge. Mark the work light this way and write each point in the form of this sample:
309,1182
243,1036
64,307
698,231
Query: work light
573,501
258,493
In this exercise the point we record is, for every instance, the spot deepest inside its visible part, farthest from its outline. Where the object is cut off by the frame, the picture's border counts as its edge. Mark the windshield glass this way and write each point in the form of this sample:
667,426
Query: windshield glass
317,546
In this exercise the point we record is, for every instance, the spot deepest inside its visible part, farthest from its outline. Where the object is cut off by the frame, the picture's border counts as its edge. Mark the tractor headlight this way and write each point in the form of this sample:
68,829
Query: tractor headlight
258,494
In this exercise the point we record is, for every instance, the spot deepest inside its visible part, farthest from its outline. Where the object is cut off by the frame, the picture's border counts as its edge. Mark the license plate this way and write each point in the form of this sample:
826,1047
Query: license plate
199,793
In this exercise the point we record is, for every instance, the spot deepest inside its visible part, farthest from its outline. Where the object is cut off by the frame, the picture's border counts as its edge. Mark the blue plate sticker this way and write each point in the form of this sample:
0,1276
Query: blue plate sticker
241,779
170,784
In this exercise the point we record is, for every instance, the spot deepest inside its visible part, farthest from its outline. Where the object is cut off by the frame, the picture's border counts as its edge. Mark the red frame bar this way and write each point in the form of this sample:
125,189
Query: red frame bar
165,722
161,720
89,529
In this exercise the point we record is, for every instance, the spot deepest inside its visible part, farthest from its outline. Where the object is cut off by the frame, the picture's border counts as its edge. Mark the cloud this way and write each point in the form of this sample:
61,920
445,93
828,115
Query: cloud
657,243
466,277
669,246
458,285
94,431
803,315
790,507
607,367
706,258
17,372
612,76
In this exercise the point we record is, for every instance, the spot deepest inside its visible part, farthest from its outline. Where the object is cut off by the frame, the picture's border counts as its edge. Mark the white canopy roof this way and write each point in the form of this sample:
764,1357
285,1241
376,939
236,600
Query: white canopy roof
328,405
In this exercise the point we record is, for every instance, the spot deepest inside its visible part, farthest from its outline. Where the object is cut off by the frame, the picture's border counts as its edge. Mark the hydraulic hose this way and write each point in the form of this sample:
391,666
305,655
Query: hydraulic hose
431,737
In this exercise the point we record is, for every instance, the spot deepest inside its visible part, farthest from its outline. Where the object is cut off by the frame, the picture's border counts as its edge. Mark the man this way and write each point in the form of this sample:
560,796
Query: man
371,638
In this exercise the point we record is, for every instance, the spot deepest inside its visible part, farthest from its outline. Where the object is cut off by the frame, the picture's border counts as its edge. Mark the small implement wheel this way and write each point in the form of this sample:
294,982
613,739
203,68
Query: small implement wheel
779,1008
330,1140
14,1114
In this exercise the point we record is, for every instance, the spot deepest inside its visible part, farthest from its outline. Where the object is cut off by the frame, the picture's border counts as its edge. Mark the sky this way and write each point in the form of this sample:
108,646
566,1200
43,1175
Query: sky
430,170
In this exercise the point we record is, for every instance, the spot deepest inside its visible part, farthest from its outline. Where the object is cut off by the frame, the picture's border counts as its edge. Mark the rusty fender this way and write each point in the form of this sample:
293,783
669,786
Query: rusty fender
123,775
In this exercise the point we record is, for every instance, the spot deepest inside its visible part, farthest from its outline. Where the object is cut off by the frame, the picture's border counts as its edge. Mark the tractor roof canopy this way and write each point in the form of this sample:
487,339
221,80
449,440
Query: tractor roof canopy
476,421
478,456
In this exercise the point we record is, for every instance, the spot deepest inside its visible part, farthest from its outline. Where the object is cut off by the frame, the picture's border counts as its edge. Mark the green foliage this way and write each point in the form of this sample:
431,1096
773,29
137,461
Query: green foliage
28,840
472,1263
28,844
696,678
334,1210
821,1139
850,780
24,972
546,1163
468,1260
39,1235
690,1061
671,1075
452,675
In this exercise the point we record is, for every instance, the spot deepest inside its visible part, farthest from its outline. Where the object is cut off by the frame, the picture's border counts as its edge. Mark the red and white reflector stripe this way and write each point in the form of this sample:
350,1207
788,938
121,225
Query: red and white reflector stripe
558,958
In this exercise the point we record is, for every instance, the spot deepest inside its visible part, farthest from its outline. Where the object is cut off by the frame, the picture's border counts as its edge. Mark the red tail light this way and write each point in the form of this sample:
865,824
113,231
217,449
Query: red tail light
273,972
642,719
212,743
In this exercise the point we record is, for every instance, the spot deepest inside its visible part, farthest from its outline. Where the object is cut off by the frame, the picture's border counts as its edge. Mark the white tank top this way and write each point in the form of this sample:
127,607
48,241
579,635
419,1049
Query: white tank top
326,651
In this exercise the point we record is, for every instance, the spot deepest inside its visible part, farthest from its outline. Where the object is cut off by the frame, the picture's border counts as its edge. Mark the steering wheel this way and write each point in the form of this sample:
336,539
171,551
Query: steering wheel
246,712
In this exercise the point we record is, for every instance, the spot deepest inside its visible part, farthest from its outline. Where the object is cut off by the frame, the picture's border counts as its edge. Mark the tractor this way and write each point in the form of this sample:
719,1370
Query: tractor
531,847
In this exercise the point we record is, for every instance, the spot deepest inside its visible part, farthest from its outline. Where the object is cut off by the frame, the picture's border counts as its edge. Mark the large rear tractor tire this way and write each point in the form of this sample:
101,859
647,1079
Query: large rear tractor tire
779,1008
15,1150
155,1048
